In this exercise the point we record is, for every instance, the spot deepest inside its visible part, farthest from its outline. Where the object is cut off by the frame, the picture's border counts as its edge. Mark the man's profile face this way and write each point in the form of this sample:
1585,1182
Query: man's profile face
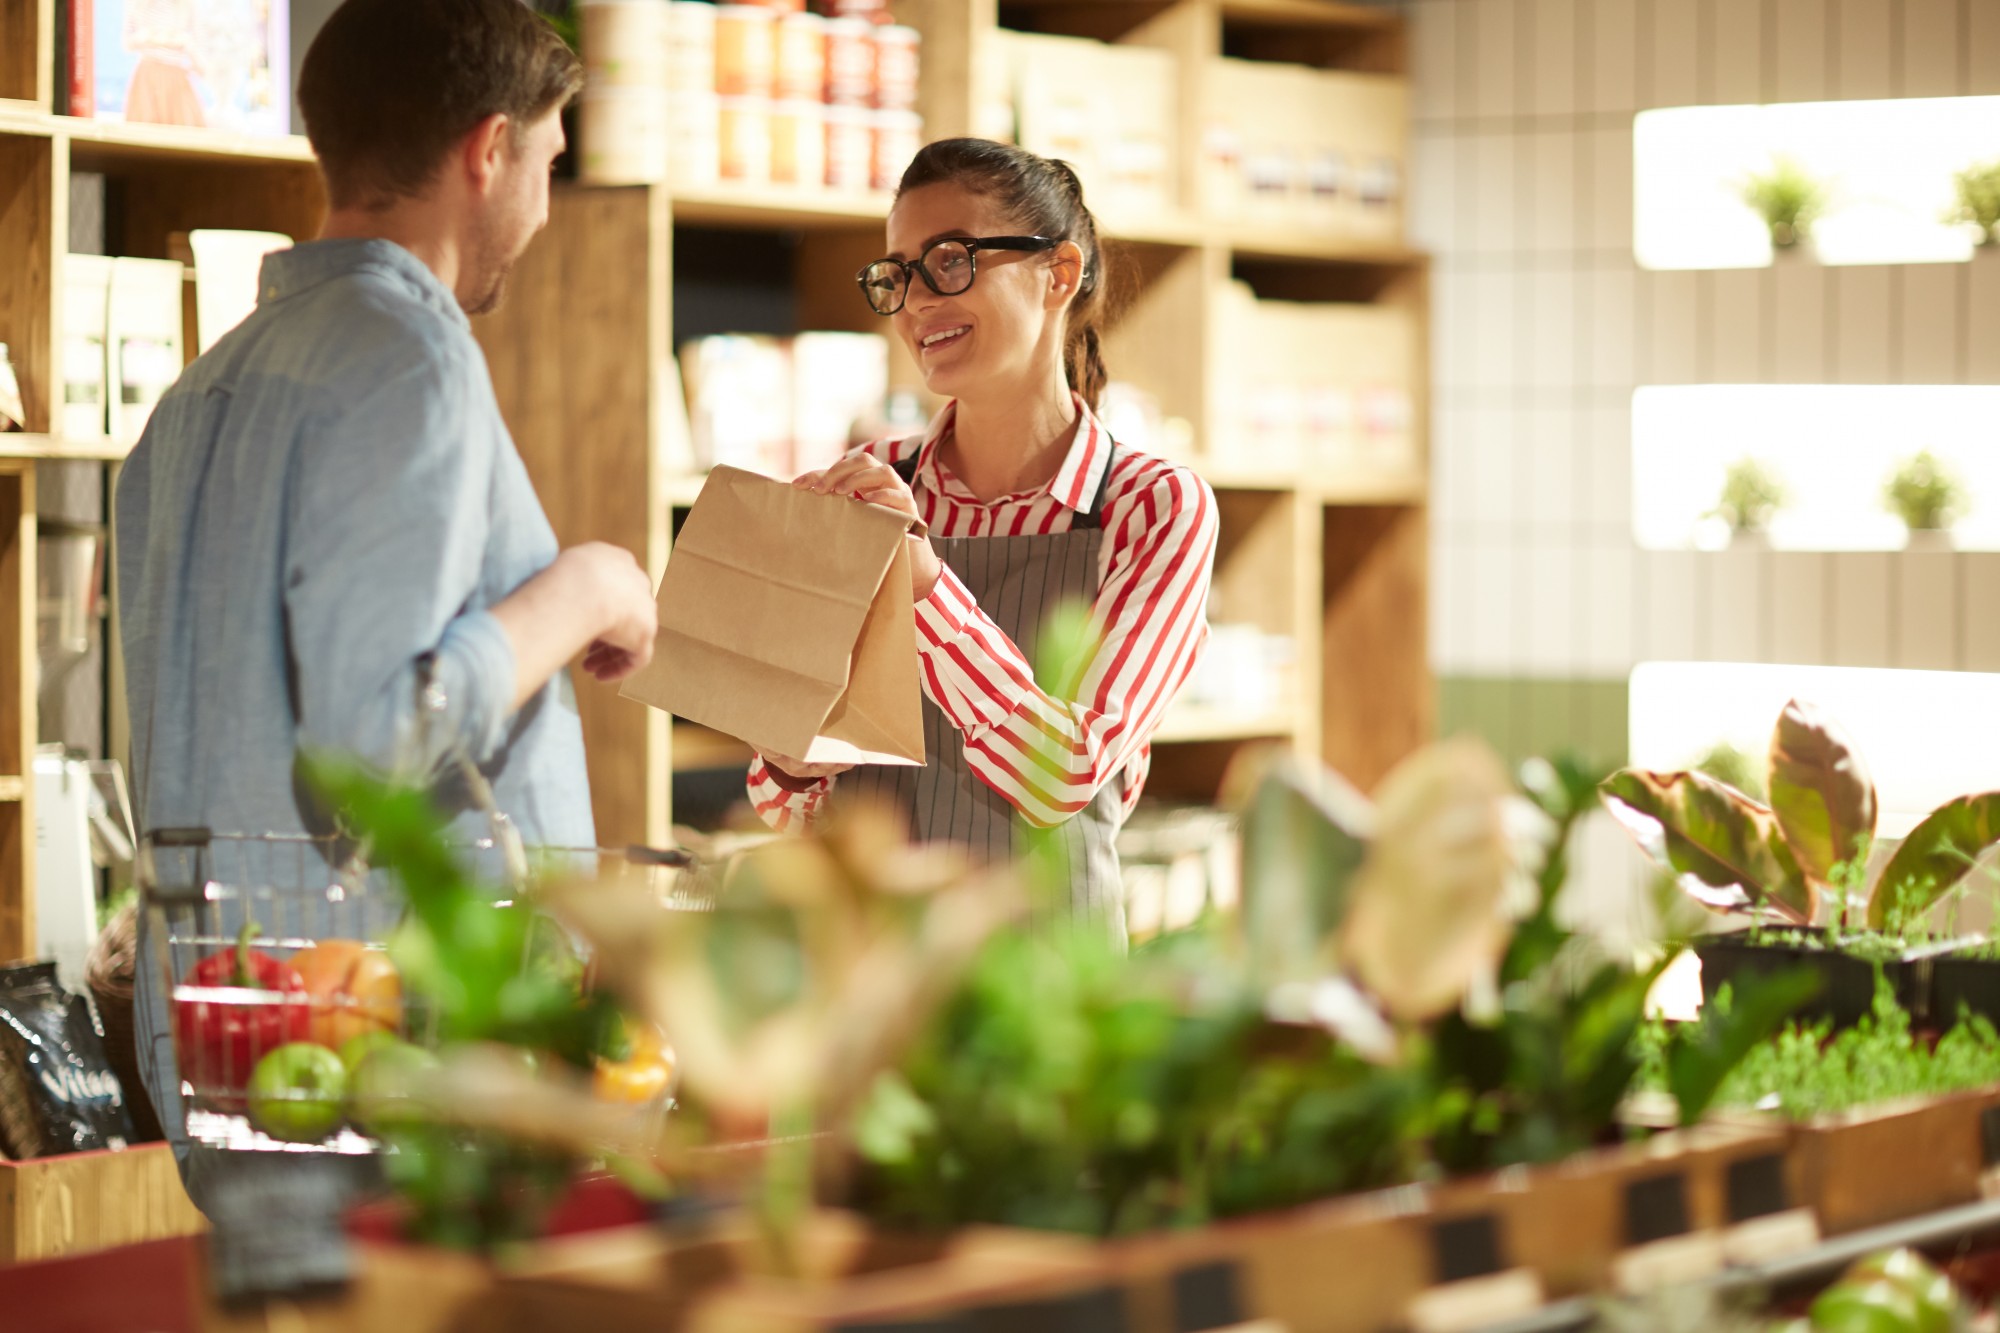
516,208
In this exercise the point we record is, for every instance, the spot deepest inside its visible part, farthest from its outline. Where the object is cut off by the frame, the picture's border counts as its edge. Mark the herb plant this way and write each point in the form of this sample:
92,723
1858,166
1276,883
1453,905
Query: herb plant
1924,493
1752,492
1978,199
1788,198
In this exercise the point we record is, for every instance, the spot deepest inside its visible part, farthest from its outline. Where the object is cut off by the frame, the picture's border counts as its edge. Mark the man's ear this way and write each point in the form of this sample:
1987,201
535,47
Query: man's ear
1065,273
485,150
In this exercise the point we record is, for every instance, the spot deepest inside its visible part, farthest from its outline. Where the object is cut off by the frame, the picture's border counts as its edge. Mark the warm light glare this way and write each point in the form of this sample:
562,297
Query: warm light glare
1928,736
1832,446
1888,165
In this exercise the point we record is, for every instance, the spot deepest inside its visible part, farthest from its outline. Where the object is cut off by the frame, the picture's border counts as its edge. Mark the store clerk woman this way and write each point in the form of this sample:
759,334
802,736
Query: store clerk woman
995,282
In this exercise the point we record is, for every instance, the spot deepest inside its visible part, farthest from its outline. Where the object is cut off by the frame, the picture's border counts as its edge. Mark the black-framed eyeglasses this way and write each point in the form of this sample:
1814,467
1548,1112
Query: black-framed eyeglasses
948,266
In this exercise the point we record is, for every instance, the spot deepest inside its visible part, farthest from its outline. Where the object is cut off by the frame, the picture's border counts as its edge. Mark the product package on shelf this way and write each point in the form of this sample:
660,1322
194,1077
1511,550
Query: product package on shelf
221,64
86,306
1317,387
143,338
223,268
58,1093
1246,672
1284,146
623,114
1108,110
780,407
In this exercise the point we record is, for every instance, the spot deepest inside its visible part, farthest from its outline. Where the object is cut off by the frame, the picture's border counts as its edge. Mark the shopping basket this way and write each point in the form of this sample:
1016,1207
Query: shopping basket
200,888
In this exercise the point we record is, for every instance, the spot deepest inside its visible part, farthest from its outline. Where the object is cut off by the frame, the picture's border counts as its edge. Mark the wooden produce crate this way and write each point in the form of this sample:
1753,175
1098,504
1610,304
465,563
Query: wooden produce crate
1579,1223
55,1206
1864,1168
642,1279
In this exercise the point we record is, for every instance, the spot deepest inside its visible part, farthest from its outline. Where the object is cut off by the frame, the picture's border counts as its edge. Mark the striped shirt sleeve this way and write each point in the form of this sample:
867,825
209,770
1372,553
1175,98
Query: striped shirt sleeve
1050,756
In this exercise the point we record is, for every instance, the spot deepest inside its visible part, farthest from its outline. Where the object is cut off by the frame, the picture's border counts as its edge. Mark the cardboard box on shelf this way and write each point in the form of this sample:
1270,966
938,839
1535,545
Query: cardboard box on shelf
1323,387
223,268
86,307
1288,146
1108,110
144,329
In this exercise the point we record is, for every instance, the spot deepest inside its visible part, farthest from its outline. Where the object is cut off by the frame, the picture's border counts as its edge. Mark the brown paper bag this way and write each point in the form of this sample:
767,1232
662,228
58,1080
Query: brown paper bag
786,620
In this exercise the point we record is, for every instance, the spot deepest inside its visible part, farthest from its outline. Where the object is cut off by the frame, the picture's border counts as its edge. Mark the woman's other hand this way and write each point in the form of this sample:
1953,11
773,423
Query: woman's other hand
861,476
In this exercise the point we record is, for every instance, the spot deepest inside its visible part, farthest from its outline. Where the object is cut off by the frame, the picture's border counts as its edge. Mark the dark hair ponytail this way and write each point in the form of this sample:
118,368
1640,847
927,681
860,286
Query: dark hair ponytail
1047,198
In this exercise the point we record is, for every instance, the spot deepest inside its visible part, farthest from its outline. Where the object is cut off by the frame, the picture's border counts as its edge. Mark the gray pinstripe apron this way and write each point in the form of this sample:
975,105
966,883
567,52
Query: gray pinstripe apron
1017,582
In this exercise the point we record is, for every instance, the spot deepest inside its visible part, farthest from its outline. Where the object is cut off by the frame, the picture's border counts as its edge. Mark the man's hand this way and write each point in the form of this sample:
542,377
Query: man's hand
863,477
595,600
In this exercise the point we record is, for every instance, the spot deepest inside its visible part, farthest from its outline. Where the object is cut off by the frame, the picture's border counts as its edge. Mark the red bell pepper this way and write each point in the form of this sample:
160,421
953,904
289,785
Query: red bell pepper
220,1042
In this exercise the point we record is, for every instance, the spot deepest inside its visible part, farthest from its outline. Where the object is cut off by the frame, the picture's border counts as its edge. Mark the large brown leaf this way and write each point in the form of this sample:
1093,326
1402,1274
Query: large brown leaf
1725,850
1821,791
1939,854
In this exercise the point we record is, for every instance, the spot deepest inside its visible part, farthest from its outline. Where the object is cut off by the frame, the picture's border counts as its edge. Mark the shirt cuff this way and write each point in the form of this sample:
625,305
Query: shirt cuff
480,651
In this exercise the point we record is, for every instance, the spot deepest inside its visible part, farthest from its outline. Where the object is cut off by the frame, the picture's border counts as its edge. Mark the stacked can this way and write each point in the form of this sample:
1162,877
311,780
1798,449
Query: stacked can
623,119
798,119
898,129
694,111
746,69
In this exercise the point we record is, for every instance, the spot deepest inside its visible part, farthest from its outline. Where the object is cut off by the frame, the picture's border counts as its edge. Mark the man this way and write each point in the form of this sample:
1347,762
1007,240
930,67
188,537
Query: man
326,538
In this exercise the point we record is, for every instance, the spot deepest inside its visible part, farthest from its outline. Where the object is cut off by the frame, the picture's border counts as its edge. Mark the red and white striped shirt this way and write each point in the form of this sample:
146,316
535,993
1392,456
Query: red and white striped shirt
1048,756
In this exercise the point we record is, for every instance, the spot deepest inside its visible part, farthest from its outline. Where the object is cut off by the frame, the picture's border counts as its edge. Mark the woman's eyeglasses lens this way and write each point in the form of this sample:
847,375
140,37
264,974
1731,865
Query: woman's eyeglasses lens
948,264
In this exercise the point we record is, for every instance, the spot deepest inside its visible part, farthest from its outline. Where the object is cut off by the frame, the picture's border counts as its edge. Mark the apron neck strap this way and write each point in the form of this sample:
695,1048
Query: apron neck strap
1085,520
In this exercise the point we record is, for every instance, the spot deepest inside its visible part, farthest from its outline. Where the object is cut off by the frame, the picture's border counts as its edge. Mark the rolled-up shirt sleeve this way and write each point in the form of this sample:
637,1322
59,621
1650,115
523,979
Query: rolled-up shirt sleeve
391,505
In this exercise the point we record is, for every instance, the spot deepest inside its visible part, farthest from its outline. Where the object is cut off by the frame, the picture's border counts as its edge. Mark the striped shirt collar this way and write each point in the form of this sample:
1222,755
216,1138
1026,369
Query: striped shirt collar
1075,484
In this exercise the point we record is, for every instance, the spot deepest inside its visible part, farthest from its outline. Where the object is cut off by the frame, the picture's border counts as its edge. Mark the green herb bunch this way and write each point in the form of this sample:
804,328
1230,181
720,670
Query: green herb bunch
1924,493
1788,198
1978,199
1752,491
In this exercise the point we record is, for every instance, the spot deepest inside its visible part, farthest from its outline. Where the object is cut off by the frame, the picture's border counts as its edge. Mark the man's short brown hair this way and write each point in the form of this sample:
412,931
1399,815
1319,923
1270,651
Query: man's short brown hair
389,86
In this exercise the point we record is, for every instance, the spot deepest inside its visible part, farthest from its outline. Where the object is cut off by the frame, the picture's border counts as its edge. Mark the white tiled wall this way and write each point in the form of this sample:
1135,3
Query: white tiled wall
1522,188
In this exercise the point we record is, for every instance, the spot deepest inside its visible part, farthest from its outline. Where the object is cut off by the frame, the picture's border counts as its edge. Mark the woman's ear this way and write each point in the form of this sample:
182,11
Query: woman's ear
1065,274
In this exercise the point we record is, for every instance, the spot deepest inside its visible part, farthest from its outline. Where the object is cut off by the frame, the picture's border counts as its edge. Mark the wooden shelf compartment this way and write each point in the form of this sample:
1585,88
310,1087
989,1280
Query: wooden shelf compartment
777,206
27,54
1192,723
104,141
57,448
51,1207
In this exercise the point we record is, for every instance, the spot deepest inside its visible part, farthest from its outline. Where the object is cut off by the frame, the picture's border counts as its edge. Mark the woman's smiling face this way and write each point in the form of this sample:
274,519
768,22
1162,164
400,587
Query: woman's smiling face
1003,328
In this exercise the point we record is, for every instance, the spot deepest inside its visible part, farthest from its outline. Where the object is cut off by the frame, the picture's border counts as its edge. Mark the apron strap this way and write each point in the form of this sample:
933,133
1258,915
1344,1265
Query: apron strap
1085,521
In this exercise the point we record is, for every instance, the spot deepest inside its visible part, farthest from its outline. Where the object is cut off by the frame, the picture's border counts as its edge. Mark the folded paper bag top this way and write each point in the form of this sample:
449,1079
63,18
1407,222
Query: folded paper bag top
787,621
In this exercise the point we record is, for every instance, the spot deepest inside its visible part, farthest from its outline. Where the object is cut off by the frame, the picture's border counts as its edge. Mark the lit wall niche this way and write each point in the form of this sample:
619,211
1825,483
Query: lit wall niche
1832,447
1888,166
1929,736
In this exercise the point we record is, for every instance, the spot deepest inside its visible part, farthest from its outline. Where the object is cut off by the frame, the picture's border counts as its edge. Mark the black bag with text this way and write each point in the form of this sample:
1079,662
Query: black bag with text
58,1092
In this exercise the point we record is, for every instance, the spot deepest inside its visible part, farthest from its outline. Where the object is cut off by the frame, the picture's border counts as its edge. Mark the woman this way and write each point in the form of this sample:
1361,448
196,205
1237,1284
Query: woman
995,283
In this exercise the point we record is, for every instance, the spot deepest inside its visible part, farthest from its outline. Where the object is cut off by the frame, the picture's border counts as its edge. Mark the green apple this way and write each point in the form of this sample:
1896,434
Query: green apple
357,1048
296,1092
378,1096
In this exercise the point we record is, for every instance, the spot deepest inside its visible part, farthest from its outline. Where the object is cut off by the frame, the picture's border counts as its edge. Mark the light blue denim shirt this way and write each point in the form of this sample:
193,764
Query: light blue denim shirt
325,502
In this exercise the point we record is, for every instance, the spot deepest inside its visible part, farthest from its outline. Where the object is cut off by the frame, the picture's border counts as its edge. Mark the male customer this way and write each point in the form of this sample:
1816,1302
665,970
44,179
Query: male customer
326,538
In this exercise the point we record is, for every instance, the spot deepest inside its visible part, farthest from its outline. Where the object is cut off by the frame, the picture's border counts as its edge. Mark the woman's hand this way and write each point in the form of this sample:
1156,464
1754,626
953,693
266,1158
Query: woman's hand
863,477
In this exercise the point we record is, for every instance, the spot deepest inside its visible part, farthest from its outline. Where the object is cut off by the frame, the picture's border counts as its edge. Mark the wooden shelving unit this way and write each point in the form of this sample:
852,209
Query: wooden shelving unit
1335,562
165,180
582,351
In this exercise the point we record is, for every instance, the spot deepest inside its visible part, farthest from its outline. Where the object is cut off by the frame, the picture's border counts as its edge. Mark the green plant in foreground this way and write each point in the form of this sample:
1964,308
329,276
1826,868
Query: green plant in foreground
1725,763
1977,189
1751,493
1924,493
1789,200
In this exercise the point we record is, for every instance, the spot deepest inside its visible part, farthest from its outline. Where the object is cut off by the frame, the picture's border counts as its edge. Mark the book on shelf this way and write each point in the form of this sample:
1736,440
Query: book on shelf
144,339
86,302
75,57
213,64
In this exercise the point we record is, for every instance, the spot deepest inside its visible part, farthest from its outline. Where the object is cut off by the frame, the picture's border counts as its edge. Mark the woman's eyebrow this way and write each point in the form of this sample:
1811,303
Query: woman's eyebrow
955,234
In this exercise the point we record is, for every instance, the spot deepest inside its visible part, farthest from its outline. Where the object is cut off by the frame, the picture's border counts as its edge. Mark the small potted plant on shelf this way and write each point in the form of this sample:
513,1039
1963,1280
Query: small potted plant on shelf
1789,200
1752,494
1928,497
1978,202
1796,872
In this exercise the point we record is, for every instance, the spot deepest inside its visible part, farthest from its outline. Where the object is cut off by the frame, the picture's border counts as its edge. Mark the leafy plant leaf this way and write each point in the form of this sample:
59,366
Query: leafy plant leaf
1821,791
1426,914
1725,850
1937,855
1701,1055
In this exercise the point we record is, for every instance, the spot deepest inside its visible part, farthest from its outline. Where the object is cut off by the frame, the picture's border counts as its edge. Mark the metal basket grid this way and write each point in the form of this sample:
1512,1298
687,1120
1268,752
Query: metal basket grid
199,888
